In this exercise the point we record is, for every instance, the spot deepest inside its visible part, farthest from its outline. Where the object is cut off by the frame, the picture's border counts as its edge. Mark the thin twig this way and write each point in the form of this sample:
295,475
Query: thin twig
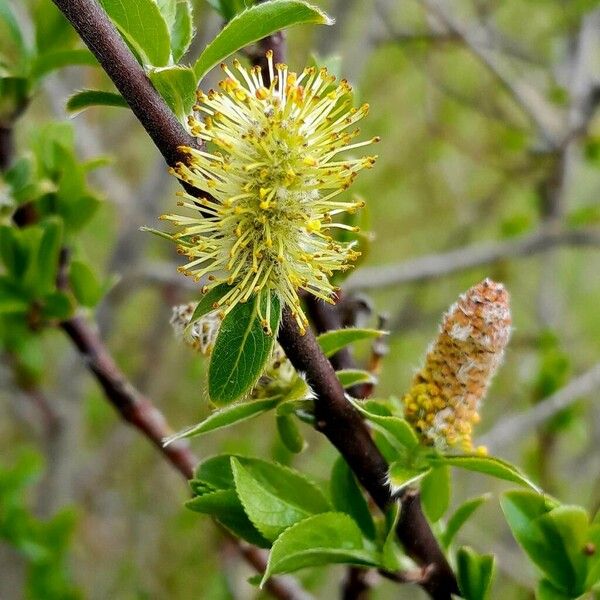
433,266
516,426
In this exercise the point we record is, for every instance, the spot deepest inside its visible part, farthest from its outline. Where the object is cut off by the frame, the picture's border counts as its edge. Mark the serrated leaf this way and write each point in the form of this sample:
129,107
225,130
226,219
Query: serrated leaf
144,28
85,99
225,417
290,434
396,430
475,573
84,284
435,493
59,59
225,507
216,472
348,498
275,497
351,377
177,86
333,341
460,516
322,539
241,350
254,24
488,465
401,475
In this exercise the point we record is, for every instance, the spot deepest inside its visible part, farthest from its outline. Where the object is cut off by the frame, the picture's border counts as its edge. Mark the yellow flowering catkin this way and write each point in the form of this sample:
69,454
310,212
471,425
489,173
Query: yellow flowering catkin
269,180
443,402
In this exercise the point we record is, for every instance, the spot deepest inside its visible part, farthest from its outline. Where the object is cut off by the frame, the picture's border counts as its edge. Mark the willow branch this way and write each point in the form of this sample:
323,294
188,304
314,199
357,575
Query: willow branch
433,266
335,416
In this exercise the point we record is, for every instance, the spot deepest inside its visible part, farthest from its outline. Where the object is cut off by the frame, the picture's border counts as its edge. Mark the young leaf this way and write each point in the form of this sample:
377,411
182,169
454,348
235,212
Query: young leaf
475,573
435,493
84,99
225,507
546,591
400,475
254,24
389,556
322,539
229,8
333,341
177,86
216,472
396,430
84,283
289,433
460,517
144,28
182,29
208,300
47,256
347,497
545,541
241,350
350,377
57,305
275,497
230,415
489,465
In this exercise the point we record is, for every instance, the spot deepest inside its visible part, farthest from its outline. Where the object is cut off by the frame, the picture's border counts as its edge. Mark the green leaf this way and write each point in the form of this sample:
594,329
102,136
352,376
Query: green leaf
57,305
475,573
144,28
216,472
396,430
435,493
230,8
13,50
84,99
350,377
275,497
323,539
289,433
58,59
182,29
241,350
546,591
12,300
254,24
544,538
86,287
460,517
208,300
177,86
389,555
401,475
12,251
225,507
47,257
230,415
348,498
333,341
489,465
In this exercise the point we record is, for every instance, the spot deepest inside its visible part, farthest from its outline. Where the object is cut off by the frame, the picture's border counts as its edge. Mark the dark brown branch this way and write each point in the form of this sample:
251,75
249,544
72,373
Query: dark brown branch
336,418
6,146
345,429
133,407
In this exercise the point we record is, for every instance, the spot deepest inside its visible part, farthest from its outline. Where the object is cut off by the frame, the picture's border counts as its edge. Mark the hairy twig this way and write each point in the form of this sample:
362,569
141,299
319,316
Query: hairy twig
433,266
335,416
